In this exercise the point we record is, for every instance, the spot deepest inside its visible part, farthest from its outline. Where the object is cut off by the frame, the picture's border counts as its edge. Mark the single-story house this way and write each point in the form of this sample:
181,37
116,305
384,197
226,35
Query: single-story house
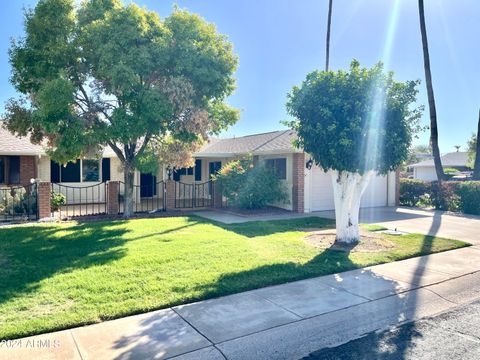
309,189
425,170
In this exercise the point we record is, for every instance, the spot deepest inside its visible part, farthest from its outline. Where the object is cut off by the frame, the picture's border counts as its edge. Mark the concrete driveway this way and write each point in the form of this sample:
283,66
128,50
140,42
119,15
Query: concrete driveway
437,223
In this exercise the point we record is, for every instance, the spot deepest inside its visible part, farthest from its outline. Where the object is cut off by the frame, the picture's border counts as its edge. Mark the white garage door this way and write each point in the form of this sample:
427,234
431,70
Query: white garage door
322,191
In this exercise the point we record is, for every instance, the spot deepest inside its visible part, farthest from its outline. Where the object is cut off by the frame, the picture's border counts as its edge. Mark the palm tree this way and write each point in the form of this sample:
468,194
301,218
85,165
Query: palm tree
476,167
430,95
327,43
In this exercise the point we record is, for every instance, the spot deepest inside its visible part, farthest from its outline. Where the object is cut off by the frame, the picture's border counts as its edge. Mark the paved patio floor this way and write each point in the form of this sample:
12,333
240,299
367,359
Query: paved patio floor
281,322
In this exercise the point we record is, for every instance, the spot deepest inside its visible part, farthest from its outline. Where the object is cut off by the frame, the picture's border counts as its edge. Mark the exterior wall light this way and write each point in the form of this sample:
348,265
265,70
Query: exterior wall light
309,164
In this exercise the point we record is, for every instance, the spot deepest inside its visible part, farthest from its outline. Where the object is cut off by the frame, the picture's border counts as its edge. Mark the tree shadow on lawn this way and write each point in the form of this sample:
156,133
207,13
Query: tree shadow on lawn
34,253
252,229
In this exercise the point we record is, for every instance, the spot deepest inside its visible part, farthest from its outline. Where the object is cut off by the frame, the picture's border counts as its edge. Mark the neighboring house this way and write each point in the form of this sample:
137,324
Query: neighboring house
310,190
425,170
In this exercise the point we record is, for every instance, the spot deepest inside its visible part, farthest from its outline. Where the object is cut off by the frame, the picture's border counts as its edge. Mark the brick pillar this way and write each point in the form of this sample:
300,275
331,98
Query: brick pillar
217,195
28,169
170,195
298,187
397,187
113,199
43,200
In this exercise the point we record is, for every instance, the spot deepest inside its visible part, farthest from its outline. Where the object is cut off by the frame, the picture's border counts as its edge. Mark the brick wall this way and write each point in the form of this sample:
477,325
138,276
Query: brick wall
170,195
28,169
43,196
298,188
113,204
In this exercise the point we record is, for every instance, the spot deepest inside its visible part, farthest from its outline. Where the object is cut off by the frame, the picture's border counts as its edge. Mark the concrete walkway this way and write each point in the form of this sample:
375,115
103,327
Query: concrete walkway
435,223
430,222
287,321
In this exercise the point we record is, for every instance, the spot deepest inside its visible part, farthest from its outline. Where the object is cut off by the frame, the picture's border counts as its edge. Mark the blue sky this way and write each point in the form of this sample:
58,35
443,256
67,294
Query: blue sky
280,41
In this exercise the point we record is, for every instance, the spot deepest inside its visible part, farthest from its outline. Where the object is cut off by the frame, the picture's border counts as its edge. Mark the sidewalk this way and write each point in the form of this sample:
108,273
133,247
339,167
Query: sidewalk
284,321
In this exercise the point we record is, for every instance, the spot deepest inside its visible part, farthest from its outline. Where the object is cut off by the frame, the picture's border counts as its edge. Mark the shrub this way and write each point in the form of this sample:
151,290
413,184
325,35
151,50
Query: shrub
412,191
444,197
451,196
57,200
450,171
250,186
469,197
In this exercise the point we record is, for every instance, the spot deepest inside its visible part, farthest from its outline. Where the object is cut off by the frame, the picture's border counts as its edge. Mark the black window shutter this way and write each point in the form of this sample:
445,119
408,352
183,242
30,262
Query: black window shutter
2,170
14,170
198,170
54,172
105,169
176,175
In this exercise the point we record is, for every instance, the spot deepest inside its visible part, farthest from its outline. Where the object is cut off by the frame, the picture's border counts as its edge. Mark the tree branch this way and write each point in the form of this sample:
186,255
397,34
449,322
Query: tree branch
117,151
144,145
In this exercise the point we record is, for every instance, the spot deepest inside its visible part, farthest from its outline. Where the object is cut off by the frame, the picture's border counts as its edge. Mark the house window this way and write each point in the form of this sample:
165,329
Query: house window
90,170
70,172
198,170
2,170
278,167
75,172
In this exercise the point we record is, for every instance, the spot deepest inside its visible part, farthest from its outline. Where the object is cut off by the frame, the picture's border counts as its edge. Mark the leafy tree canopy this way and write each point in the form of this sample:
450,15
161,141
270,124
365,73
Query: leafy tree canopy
105,73
356,121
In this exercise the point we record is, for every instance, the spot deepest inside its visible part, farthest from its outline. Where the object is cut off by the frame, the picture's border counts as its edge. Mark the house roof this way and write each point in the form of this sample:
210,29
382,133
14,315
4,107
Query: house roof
265,143
14,145
459,158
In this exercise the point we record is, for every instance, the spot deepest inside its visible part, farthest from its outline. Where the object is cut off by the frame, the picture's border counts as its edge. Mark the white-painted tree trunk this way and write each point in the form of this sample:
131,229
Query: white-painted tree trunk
348,189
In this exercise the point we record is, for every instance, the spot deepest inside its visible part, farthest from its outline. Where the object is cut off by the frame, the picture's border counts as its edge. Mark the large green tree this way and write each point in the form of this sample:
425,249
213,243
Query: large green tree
108,74
354,124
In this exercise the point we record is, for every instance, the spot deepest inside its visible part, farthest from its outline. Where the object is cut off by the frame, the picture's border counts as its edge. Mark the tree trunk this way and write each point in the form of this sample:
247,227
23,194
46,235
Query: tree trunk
129,175
348,189
327,43
476,167
430,95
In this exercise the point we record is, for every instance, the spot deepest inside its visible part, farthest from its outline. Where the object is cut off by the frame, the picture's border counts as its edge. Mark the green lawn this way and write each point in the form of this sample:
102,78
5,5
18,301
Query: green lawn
56,276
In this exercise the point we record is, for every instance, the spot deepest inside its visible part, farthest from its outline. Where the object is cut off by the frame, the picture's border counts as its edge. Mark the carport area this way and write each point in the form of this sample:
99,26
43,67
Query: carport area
428,222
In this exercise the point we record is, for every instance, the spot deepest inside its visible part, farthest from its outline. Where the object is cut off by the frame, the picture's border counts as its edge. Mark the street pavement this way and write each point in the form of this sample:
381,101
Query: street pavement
454,334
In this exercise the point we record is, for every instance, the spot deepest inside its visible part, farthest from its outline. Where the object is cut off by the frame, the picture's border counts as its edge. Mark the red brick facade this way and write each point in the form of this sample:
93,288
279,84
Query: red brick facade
170,195
113,190
298,188
43,196
28,169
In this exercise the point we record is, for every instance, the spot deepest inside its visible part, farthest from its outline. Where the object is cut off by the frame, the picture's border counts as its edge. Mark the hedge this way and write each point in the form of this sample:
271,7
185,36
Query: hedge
461,196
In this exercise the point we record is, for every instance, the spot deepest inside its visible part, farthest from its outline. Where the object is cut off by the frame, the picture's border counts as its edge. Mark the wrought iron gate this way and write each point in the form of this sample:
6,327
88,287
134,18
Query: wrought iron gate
194,195
81,200
146,198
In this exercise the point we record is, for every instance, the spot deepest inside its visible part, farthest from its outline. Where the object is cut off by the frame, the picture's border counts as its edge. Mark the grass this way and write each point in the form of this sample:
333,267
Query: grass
55,276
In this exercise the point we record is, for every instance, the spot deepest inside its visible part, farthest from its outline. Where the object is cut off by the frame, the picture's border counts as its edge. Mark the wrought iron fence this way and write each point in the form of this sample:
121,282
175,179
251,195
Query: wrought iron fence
81,200
18,203
146,198
193,195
